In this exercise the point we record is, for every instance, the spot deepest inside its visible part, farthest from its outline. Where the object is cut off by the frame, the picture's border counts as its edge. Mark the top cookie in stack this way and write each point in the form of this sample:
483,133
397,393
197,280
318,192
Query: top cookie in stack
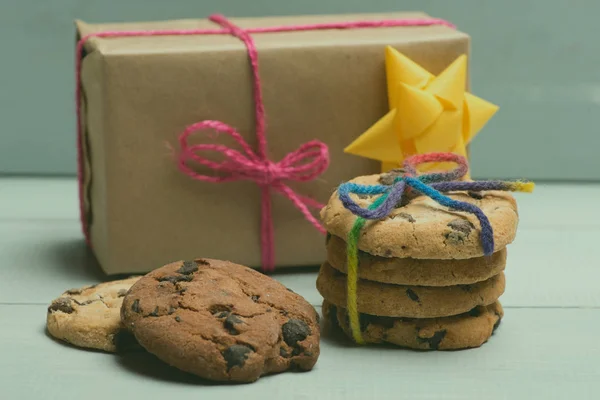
425,280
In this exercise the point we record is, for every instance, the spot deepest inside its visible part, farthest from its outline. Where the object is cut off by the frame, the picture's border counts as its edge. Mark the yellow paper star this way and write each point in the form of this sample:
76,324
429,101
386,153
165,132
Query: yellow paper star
427,113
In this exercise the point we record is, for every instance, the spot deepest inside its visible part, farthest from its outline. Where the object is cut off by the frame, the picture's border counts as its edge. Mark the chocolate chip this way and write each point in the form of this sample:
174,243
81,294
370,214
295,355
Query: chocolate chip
435,340
283,352
455,238
236,355
122,293
201,261
124,340
62,304
296,351
154,313
223,314
389,177
135,306
461,225
188,267
230,322
295,331
171,310
73,291
308,353
475,312
284,313
412,295
177,318
255,298
175,279
475,195
218,308
365,320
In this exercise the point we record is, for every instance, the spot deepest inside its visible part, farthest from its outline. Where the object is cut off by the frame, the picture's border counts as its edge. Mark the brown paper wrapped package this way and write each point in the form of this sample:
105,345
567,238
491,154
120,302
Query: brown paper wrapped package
139,93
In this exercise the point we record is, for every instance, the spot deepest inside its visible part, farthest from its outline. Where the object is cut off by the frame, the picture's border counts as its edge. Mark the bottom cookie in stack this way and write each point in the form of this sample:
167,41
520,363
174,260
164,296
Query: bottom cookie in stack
468,330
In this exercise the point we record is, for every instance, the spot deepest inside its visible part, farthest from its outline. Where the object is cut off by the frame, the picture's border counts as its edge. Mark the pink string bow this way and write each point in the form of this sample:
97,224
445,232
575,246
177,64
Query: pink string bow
304,164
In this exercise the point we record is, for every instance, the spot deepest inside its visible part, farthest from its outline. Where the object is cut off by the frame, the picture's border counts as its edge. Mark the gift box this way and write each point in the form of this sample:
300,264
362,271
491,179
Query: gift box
148,199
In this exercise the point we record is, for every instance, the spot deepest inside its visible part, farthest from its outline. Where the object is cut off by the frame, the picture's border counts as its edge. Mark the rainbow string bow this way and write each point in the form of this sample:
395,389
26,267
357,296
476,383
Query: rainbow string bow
432,185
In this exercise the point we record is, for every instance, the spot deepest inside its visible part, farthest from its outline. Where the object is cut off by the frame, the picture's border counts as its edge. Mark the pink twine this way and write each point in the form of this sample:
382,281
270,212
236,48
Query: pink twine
304,164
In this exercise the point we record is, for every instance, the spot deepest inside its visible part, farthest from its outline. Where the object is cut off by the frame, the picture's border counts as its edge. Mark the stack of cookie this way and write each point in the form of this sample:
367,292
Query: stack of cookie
424,281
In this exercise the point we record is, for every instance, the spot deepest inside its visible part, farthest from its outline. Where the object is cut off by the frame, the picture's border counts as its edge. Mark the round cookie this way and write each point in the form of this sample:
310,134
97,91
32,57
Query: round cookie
468,330
414,271
383,299
424,229
90,317
222,321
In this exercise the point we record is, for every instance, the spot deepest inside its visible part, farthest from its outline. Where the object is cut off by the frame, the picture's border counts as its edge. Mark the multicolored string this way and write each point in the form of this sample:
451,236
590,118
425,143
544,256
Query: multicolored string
431,185
304,164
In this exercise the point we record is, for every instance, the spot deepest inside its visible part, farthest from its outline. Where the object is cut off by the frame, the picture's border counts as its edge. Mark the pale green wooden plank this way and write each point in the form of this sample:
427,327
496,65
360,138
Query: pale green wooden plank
535,354
56,198
544,267
48,257
42,246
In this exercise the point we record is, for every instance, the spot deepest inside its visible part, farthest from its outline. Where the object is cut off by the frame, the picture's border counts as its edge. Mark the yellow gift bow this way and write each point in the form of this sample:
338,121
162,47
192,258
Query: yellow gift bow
427,113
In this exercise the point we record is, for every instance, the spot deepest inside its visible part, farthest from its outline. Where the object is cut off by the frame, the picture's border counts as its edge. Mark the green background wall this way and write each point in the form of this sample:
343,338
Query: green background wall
538,59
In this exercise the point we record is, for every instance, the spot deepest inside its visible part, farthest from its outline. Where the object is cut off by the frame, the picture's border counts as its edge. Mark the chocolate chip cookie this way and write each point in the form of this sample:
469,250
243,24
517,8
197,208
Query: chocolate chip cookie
383,299
90,317
468,330
222,321
414,271
422,228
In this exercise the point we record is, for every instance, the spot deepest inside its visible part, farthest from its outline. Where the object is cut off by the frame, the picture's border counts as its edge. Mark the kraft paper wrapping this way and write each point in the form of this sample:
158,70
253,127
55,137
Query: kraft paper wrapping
139,93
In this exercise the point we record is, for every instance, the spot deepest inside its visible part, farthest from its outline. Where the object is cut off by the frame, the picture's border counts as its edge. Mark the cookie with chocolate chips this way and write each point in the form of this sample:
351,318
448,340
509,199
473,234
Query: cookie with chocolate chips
384,299
421,228
222,321
415,271
90,317
467,330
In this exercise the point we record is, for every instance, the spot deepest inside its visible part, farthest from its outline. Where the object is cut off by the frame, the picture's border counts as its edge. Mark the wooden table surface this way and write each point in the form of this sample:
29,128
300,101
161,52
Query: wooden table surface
547,347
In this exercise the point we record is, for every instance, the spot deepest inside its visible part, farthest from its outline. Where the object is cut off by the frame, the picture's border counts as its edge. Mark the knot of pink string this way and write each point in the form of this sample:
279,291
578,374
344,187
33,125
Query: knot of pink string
304,164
